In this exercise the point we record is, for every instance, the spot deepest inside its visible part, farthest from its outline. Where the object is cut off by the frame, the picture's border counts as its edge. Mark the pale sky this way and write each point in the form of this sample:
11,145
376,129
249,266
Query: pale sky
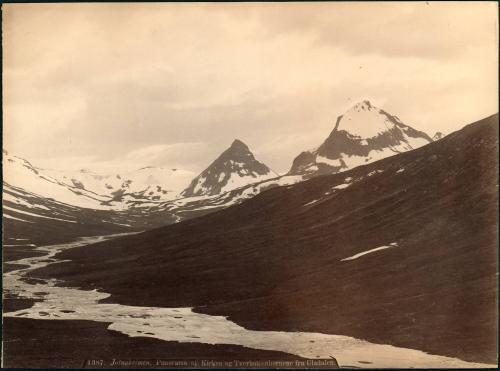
118,86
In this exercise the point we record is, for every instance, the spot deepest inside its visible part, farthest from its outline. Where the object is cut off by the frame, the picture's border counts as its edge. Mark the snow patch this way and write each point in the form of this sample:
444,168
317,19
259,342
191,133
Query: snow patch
22,202
328,161
375,172
36,215
25,244
312,202
14,218
236,181
341,186
393,244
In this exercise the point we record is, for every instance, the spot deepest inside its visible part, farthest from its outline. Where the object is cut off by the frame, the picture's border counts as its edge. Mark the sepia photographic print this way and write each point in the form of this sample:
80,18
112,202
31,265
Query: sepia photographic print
290,185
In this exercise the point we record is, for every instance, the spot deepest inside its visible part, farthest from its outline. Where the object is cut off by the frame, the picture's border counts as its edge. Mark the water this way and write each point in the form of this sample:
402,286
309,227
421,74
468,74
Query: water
183,325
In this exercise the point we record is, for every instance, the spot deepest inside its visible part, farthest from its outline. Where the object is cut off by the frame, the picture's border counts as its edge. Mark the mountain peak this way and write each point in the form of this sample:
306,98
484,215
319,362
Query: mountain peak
235,167
239,145
364,105
361,135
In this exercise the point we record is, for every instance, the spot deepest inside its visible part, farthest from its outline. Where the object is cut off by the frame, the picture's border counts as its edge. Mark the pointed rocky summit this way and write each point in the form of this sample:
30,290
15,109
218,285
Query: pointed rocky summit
234,168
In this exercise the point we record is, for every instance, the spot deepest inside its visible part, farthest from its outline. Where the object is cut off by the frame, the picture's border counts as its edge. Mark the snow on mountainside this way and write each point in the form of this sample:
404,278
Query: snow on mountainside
154,196
362,135
87,189
234,168
147,197
30,220
20,173
173,181
38,209
189,207
147,183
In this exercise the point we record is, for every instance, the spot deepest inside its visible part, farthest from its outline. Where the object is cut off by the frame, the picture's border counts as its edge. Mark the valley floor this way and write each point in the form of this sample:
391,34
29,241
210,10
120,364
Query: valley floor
67,326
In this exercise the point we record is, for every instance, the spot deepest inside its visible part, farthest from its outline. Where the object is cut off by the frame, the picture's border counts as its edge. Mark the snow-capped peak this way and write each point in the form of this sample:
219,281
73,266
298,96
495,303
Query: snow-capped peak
364,105
364,120
234,168
363,134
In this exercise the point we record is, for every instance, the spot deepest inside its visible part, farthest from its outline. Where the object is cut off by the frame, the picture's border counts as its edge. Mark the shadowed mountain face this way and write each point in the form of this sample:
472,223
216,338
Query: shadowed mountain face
362,135
402,251
234,168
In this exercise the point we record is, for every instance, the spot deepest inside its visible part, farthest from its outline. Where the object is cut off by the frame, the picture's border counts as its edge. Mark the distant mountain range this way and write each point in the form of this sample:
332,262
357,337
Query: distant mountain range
362,135
236,167
154,196
147,183
85,188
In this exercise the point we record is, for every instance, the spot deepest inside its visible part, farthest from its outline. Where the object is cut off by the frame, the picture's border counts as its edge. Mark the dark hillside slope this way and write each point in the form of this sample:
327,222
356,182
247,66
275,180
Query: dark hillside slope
276,261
